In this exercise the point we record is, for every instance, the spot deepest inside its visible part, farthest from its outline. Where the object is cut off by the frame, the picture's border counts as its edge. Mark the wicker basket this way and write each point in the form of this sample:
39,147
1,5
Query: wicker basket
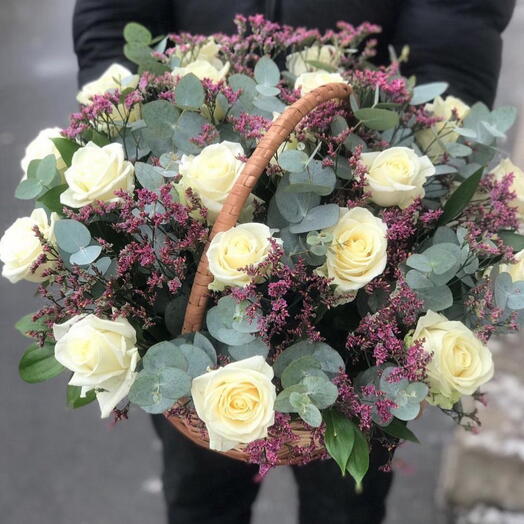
191,425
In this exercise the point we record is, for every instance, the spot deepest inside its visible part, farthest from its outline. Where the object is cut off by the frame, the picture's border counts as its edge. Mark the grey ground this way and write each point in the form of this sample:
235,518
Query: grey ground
63,467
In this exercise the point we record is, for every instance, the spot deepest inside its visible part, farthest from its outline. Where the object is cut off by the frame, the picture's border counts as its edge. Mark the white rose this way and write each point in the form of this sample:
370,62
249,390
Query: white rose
306,82
114,77
102,355
357,253
42,146
444,109
239,247
296,63
212,174
20,247
396,176
236,402
516,270
505,167
215,71
461,363
95,174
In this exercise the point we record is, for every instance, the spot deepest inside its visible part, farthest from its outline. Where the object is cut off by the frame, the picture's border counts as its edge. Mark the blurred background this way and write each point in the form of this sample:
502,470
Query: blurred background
61,466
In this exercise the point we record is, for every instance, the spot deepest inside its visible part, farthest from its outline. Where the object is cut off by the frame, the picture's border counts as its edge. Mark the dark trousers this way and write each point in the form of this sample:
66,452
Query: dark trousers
204,487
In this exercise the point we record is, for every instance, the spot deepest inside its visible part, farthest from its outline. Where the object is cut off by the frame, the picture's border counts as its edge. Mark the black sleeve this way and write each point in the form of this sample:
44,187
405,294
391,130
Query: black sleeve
458,41
98,27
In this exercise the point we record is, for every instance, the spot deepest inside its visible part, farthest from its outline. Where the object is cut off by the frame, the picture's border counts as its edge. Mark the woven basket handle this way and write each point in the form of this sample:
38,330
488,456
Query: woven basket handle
277,134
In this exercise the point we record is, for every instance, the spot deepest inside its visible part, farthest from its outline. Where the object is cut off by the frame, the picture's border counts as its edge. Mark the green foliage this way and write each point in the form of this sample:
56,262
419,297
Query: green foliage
157,391
293,207
427,92
298,369
71,235
74,400
267,72
42,176
320,217
85,255
460,198
358,463
66,148
134,32
189,93
314,178
26,324
510,238
292,160
188,126
222,319
377,119
150,177
251,349
38,364
51,199
160,117
508,294
398,429
339,438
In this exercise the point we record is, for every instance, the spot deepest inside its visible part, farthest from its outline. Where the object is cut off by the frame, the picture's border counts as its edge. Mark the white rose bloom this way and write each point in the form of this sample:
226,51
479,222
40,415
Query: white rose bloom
296,63
95,174
396,176
102,355
212,174
461,363
236,402
42,146
215,71
444,109
114,77
306,82
516,270
505,167
20,247
358,252
239,247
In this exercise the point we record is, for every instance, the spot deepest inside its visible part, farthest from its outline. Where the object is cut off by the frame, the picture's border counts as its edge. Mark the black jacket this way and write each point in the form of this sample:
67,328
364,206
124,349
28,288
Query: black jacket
453,40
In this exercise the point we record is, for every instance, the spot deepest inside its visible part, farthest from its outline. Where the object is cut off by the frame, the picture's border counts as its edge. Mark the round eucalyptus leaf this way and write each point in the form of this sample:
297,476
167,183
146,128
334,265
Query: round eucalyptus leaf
322,392
319,217
202,342
282,402
267,72
251,349
164,355
198,360
292,160
189,93
85,255
267,90
298,369
71,235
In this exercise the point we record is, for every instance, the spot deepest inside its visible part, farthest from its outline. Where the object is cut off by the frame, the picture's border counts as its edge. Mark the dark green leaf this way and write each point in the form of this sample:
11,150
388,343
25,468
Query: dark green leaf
134,32
66,148
399,429
51,199
339,438
26,324
460,198
510,238
358,462
39,364
378,119
74,400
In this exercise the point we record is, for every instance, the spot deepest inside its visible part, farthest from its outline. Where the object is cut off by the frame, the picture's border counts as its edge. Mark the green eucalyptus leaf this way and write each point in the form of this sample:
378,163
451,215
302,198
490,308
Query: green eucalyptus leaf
205,344
155,392
271,104
292,160
85,255
298,369
164,355
419,262
51,199
307,411
28,189
457,150
198,360
38,364
417,280
427,92
251,349
148,176
322,392
320,217
294,206
315,178
267,90
189,93
134,32
516,296
503,118
219,322
329,359
436,298
267,72
26,324
443,257
282,402
71,235
187,127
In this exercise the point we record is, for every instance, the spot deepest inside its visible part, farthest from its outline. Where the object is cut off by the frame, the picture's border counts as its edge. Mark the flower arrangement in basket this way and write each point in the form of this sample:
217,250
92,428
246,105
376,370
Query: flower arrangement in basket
283,248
